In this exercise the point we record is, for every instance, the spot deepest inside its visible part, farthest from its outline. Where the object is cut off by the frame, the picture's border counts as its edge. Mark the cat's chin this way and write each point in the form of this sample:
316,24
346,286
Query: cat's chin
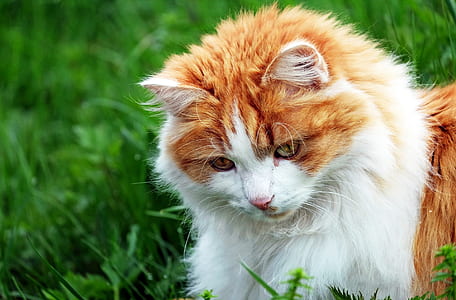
270,217
279,216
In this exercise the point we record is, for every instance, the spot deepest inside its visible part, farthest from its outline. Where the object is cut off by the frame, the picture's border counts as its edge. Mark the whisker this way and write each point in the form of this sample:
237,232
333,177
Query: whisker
337,194
206,161
289,130
194,142
257,137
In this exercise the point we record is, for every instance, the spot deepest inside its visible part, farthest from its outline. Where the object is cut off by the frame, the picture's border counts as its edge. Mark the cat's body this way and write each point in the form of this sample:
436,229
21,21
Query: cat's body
296,143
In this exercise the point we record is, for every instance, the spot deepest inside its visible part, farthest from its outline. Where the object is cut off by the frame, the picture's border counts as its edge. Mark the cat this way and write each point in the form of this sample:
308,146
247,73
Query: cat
295,142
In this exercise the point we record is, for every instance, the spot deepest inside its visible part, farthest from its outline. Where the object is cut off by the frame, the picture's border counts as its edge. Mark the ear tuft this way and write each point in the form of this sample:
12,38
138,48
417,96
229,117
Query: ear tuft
173,96
298,64
154,82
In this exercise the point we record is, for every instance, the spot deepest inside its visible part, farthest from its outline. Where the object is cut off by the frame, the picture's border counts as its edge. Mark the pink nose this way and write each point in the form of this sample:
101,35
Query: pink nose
261,202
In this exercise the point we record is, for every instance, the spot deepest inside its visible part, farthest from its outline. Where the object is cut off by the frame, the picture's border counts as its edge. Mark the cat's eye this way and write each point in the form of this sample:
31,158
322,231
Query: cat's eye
287,151
222,164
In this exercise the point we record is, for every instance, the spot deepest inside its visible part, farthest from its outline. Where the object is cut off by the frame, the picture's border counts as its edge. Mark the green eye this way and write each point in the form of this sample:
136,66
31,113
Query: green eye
222,164
287,150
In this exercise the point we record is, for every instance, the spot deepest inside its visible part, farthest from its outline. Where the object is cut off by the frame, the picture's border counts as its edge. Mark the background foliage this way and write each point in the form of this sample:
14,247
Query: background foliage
79,208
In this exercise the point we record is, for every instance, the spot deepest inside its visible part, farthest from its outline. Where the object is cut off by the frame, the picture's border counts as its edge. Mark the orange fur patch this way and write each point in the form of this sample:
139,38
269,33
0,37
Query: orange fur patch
438,209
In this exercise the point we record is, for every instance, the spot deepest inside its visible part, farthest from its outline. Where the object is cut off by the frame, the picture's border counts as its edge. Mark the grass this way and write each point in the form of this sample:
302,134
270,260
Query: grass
80,214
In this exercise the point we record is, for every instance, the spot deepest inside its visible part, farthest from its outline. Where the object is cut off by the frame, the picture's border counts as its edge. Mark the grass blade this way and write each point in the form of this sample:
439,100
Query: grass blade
163,214
258,279
62,280
452,8
19,290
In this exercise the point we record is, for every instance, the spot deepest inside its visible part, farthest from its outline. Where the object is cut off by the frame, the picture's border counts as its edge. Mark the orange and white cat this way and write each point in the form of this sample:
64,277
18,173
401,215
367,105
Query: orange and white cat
295,142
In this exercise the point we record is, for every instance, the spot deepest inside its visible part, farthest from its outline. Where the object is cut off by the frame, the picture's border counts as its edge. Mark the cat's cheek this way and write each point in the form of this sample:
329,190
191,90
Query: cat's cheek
226,186
293,186
229,189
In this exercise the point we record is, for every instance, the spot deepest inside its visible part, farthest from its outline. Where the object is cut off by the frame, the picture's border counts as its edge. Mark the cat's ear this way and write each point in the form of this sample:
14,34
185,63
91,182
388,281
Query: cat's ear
171,95
298,65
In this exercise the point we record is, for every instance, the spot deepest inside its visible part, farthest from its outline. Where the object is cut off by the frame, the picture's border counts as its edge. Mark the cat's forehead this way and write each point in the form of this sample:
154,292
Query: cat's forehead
232,62
240,145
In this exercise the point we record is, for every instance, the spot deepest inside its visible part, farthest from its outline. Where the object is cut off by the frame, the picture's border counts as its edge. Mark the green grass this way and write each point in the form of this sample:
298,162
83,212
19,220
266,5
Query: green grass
80,214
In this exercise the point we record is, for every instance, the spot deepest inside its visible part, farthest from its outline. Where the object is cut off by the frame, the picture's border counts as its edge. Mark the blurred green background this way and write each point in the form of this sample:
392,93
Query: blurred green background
81,216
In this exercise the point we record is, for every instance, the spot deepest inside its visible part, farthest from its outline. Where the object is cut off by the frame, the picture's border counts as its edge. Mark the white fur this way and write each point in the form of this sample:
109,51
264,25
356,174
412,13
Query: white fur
158,81
353,223
295,44
173,95
340,86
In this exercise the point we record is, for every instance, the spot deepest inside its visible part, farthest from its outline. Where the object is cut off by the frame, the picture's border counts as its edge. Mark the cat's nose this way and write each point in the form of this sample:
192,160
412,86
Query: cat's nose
261,202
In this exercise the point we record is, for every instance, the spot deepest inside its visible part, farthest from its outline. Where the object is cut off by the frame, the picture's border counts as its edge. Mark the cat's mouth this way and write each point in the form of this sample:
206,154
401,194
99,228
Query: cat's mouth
278,216
271,214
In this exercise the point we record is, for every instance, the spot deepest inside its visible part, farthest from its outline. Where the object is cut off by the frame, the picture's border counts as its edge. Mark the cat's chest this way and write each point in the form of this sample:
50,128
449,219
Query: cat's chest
274,257
324,257
334,257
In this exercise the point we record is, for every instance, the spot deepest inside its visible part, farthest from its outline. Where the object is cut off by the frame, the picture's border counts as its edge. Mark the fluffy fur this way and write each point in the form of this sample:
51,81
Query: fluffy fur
351,205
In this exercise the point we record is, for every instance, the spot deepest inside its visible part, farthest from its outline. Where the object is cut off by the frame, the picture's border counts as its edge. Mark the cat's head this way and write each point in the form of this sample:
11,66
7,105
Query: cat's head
263,112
